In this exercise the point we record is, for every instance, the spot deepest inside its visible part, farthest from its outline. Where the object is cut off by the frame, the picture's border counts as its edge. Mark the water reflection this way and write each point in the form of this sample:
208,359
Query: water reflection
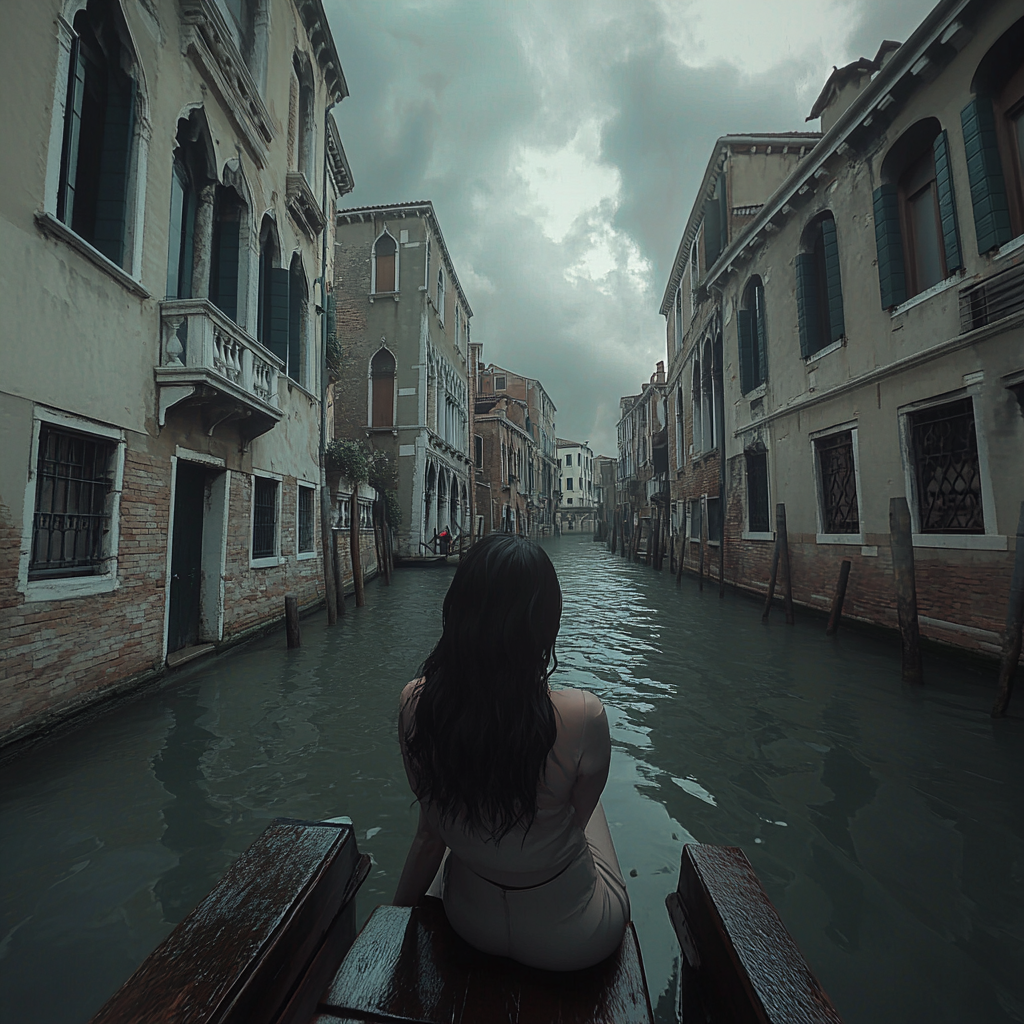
885,823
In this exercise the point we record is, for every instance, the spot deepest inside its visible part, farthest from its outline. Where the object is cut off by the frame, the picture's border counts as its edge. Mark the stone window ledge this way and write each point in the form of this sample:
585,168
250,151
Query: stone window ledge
961,541
755,535
839,538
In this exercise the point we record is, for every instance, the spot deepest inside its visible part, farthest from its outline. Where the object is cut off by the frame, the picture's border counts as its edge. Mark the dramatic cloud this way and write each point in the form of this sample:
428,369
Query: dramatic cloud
562,143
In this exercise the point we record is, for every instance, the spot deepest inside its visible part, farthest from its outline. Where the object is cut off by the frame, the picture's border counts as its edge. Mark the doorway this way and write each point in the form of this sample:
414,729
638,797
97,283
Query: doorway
186,556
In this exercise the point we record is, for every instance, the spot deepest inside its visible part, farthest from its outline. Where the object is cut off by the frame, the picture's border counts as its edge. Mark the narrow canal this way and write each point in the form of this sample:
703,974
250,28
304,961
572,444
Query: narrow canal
887,825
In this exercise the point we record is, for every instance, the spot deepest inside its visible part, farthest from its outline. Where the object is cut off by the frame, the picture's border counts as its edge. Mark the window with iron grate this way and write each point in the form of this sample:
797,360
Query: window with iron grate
264,517
947,476
757,492
838,483
305,524
74,482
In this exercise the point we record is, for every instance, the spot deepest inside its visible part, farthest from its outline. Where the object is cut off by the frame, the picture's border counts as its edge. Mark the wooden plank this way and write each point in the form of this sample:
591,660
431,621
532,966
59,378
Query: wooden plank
238,955
741,965
902,545
409,967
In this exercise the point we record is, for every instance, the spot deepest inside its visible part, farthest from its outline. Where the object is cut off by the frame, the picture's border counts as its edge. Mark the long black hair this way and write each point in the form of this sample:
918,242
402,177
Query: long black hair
484,723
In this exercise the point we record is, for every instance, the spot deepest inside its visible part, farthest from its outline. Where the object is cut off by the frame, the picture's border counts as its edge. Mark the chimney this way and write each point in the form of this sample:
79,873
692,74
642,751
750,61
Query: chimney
844,85
660,373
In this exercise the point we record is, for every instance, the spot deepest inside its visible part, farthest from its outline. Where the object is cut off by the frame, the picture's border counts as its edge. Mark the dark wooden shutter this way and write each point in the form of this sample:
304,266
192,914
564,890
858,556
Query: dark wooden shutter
72,131
723,214
294,325
712,232
760,341
985,171
277,313
807,303
385,273
833,283
947,203
745,328
892,277
383,401
224,259
112,187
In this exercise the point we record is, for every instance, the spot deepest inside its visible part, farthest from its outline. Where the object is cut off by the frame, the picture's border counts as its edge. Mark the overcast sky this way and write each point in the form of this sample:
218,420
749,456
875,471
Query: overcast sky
561,143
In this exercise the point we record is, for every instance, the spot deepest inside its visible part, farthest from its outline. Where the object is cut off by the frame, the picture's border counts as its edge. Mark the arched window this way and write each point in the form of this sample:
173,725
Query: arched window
916,229
750,323
385,277
707,397
192,178
680,454
270,257
95,189
382,389
440,293
696,418
993,128
678,317
295,363
302,117
819,290
227,249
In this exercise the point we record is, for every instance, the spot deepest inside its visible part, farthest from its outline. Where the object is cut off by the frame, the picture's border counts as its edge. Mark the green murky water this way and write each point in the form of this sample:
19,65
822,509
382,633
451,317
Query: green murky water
886,824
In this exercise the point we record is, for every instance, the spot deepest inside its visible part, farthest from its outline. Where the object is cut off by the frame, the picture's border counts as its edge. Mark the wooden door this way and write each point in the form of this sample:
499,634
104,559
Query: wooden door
186,556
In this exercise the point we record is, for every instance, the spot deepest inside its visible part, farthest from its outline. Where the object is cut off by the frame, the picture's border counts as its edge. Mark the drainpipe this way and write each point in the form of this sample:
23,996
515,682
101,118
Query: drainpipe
721,449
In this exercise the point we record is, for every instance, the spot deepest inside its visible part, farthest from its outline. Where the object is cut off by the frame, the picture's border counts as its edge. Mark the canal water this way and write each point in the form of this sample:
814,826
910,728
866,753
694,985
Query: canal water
887,824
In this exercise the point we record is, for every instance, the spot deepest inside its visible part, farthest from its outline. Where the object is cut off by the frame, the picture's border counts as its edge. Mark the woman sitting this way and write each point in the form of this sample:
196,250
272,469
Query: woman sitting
509,773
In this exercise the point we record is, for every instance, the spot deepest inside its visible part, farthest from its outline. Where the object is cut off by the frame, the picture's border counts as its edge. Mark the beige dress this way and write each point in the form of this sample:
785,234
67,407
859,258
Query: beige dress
553,896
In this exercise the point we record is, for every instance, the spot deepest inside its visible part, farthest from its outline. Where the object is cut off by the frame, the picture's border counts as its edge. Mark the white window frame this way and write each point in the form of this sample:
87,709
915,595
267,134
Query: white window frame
276,558
135,199
694,269
61,588
442,289
991,539
308,485
819,492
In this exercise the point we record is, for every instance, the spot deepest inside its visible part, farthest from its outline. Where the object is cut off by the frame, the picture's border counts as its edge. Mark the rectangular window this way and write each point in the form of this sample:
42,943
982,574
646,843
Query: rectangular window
74,485
579,459
500,383
264,517
569,501
305,517
568,483
695,521
714,521
757,492
568,460
478,450
947,476
837,480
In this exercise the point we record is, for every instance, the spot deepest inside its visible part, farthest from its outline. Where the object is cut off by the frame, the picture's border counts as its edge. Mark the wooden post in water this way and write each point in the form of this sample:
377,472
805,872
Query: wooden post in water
353,543
291,620
773,577
681,556
1014,623
656,542
837,601
703,538
787,596
339,576
902,545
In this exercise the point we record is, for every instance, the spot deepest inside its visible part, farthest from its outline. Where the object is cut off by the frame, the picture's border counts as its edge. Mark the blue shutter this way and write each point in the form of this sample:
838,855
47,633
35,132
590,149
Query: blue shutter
112,190
277,313
807,304
760,341
892,277
947,203
834,286
72,132
985,171
745,328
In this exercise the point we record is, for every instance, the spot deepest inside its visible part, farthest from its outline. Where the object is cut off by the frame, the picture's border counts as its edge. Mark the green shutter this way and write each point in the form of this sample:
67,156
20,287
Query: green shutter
807,304
723,214
760,341
112,190
294,327
712,232
985,171
947,203
224,269
72,132
837,323
745,328
277,313
892,277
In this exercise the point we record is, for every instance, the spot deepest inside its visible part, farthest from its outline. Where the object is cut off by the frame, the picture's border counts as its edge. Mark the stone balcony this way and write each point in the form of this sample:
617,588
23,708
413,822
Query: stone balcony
207,362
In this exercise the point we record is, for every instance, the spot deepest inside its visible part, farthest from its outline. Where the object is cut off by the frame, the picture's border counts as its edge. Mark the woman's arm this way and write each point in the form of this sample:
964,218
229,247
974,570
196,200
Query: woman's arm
420,865
595,756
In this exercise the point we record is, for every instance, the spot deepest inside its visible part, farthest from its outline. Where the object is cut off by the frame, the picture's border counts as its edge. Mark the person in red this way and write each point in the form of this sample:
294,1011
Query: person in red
509,773
444,540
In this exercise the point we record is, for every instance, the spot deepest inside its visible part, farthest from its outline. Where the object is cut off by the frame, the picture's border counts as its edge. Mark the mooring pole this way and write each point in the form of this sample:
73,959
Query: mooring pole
901,541
1014,623
837,600
339,576
773,578
787,595
700,550
291,620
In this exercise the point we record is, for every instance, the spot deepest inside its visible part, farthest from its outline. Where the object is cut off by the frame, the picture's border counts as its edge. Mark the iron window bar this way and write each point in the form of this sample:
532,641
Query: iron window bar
998,296
264,520
71,515
838,483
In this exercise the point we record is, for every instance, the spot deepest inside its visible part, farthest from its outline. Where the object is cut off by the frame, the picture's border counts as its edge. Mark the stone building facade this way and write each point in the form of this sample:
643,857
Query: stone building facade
578,504
514,452
873,326
161,237
402,326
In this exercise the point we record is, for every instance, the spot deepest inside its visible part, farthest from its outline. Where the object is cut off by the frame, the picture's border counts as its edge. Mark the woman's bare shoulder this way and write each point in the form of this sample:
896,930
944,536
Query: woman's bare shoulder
579,704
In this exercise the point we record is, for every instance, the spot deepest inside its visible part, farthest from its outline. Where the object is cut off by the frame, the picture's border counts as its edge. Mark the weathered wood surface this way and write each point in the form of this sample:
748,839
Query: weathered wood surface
408,965
902,545
836,614
240,955
1010,655
291,619
740,965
